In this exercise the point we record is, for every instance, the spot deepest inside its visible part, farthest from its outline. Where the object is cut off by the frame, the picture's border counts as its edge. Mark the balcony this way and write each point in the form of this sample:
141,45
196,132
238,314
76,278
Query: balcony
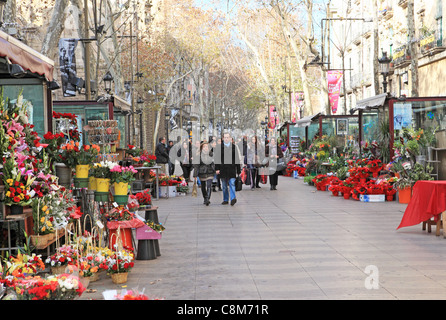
431,44
402,3
401,57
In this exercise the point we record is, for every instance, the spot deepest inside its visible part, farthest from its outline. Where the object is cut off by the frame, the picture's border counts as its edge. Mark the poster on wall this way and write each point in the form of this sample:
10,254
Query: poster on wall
334,88
402,115
67,63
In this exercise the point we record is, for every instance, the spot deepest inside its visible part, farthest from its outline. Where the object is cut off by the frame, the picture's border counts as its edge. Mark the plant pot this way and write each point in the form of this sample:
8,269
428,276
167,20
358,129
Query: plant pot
389,197
101,196
404,195
121,199
121,188
102,185
16,209
64,174
346,195
82,171
119,278
81,182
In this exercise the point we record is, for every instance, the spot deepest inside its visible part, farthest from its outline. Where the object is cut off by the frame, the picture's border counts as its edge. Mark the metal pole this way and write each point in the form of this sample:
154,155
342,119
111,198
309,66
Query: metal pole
87,53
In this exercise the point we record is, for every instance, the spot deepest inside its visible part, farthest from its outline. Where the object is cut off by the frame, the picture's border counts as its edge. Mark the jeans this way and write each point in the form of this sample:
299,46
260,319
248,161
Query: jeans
225,183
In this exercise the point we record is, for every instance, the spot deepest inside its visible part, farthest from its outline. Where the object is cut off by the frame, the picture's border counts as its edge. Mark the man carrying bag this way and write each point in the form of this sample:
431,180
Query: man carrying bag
227,165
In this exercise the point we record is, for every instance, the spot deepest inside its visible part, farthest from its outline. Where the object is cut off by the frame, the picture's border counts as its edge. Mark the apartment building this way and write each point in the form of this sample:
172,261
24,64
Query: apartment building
352,47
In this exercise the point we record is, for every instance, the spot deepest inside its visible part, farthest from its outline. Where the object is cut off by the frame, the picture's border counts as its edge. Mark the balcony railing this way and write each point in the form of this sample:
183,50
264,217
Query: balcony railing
431,44
401,57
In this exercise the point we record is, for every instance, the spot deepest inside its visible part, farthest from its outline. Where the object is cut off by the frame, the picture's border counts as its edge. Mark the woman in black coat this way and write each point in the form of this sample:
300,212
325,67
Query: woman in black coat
273,152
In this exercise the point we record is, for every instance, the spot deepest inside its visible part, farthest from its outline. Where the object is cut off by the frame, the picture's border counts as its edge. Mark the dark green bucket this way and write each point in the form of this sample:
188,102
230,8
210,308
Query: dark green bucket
121,199
101,196
81,182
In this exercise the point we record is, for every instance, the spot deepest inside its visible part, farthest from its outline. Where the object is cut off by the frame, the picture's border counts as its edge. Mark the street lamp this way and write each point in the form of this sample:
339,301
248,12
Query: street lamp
264,125
384,67
167,118
108,79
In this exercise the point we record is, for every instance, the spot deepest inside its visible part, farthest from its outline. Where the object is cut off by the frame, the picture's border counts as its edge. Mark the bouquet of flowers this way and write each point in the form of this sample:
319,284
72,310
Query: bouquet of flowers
149,160
155,226
102,169
119,214
23,264
73,131
120,261
18,183
133,150
122,174
64,256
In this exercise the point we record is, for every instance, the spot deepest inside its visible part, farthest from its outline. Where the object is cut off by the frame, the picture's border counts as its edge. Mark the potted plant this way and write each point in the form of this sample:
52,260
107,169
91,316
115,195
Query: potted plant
121,176
144,199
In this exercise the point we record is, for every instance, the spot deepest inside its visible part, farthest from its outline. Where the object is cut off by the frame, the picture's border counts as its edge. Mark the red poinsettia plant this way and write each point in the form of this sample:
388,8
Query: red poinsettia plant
144,197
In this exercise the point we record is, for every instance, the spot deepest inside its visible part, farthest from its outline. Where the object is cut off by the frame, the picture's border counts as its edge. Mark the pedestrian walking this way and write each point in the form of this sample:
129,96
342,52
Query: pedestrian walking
184,154
227,165
162,155
272,152
205,171
170,164
252,162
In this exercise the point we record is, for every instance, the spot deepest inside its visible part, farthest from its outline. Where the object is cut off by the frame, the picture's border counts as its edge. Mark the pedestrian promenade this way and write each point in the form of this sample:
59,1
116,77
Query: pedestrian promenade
293,243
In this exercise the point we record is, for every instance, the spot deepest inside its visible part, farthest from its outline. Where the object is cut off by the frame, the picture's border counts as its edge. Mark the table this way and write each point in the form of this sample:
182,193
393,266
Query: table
156,168
428,201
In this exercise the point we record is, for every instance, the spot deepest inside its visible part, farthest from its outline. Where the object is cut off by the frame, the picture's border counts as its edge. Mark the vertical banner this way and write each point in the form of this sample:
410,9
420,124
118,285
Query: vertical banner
334,88
273,118
67,63
297,103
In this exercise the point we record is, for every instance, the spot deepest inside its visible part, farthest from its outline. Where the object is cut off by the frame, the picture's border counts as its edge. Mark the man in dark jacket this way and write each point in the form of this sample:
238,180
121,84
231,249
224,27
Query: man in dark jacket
227,165
161,155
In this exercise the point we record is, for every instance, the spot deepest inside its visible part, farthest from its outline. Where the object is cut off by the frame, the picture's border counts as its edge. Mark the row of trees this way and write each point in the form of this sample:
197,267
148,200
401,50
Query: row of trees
238,56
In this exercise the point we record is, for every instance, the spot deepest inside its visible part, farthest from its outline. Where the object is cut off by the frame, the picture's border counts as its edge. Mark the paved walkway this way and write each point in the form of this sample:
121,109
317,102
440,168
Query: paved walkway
293,243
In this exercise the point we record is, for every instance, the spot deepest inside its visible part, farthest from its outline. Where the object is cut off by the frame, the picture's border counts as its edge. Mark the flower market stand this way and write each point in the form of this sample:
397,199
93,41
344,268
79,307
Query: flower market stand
148,246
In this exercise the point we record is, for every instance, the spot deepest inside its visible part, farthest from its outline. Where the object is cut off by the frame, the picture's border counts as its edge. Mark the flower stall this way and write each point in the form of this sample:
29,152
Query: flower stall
35,194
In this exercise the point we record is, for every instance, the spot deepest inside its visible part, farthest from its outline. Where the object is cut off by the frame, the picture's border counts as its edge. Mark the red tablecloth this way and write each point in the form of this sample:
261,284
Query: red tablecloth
428,200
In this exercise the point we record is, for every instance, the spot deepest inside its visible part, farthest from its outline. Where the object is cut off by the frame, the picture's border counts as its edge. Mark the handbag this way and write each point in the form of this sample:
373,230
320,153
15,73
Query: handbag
263,175
248,177
243,175
281,165
238,184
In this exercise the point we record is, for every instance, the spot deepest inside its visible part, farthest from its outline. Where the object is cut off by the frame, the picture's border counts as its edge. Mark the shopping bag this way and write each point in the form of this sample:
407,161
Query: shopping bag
263,173
194,189
281,164
238,184
243,175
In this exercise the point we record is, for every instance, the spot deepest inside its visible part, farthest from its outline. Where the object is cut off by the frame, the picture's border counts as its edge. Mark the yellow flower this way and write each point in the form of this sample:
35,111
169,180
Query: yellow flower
42,220
44,208
8,193
9,181
43,229
48,223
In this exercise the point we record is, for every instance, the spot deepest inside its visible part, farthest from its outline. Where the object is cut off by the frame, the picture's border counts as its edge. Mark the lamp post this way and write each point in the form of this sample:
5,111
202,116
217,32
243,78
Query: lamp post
167,118
264,125
384,66
108,79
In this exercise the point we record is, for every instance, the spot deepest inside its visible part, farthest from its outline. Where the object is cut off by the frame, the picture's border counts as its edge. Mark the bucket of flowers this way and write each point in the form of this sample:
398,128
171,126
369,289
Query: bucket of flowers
121,176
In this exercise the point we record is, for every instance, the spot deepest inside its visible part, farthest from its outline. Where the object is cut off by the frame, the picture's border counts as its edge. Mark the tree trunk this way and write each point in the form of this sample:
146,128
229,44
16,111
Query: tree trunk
412,48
